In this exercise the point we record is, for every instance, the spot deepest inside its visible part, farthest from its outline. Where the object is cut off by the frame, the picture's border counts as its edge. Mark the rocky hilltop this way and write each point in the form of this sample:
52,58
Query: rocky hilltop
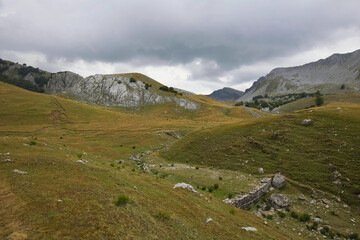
226,94
125,90
335,74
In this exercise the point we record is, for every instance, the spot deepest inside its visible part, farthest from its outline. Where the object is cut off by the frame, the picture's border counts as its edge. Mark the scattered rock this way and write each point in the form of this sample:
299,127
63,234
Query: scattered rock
302,198
306,122
337,182
250,229
208,220
271,189
261,170
325,201
318,220
59,200
278,181
19,172
135,187
7,160
279,200
185,185
327,206
337,174
82,161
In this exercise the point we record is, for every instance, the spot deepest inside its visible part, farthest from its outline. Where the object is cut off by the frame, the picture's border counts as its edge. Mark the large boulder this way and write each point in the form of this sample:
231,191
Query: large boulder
279,200
186,186
306,122
278,181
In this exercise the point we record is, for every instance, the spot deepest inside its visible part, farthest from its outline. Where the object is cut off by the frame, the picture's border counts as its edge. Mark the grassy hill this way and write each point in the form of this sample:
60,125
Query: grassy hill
307,154
60,198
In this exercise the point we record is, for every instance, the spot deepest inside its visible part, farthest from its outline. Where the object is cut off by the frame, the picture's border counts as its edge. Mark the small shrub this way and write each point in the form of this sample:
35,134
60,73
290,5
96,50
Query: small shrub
133,169
79,155
203,188
216,186
263,215
61,137
354,236
294,215
333,213
119,82
304,217
270,217
267,207
133,147
322,231
232,211
342,87
32,143
118,168
122,200
112,164
281,214
287,209
210,189
326,229
162,216
196,168
220,178
172,164
132,80
230,195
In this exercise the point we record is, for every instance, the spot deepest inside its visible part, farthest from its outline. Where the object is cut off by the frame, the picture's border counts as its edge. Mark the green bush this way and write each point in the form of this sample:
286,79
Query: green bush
112,164
304,217
32,143
267,207
287,209
196,168
294,215
132,80
270,217
79,155
210,189
162,216
203,188
133,147
122,200
232,211
220,178
354,236
230,195
216,186
281,214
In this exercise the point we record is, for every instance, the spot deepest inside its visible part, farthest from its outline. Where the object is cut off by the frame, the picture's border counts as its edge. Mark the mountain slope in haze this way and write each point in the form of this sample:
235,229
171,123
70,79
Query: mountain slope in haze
327,75
226,94
125,90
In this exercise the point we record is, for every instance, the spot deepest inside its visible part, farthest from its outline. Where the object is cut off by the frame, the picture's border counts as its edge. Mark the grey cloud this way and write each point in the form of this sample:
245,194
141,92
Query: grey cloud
227,33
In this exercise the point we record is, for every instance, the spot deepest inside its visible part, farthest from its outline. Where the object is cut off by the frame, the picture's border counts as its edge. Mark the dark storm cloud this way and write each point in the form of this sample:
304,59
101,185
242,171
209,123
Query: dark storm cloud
225,34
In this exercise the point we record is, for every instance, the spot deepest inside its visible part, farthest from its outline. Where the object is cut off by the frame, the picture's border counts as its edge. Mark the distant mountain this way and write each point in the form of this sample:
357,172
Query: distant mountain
335,74
226,94
125,90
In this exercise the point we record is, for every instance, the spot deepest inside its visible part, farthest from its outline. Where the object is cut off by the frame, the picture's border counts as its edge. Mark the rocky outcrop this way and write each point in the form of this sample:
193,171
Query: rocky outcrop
110,91
279,200
246,200
278,181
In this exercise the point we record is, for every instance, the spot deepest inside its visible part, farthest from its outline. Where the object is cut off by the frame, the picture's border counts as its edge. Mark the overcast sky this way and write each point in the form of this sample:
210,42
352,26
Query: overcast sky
197,45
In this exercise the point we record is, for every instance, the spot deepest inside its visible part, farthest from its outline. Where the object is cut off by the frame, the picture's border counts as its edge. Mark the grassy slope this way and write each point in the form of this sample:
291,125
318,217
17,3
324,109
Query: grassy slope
308,155
62,129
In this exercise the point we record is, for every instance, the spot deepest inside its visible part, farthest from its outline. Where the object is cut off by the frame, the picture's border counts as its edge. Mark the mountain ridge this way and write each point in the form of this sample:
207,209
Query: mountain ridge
326,75
225,94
